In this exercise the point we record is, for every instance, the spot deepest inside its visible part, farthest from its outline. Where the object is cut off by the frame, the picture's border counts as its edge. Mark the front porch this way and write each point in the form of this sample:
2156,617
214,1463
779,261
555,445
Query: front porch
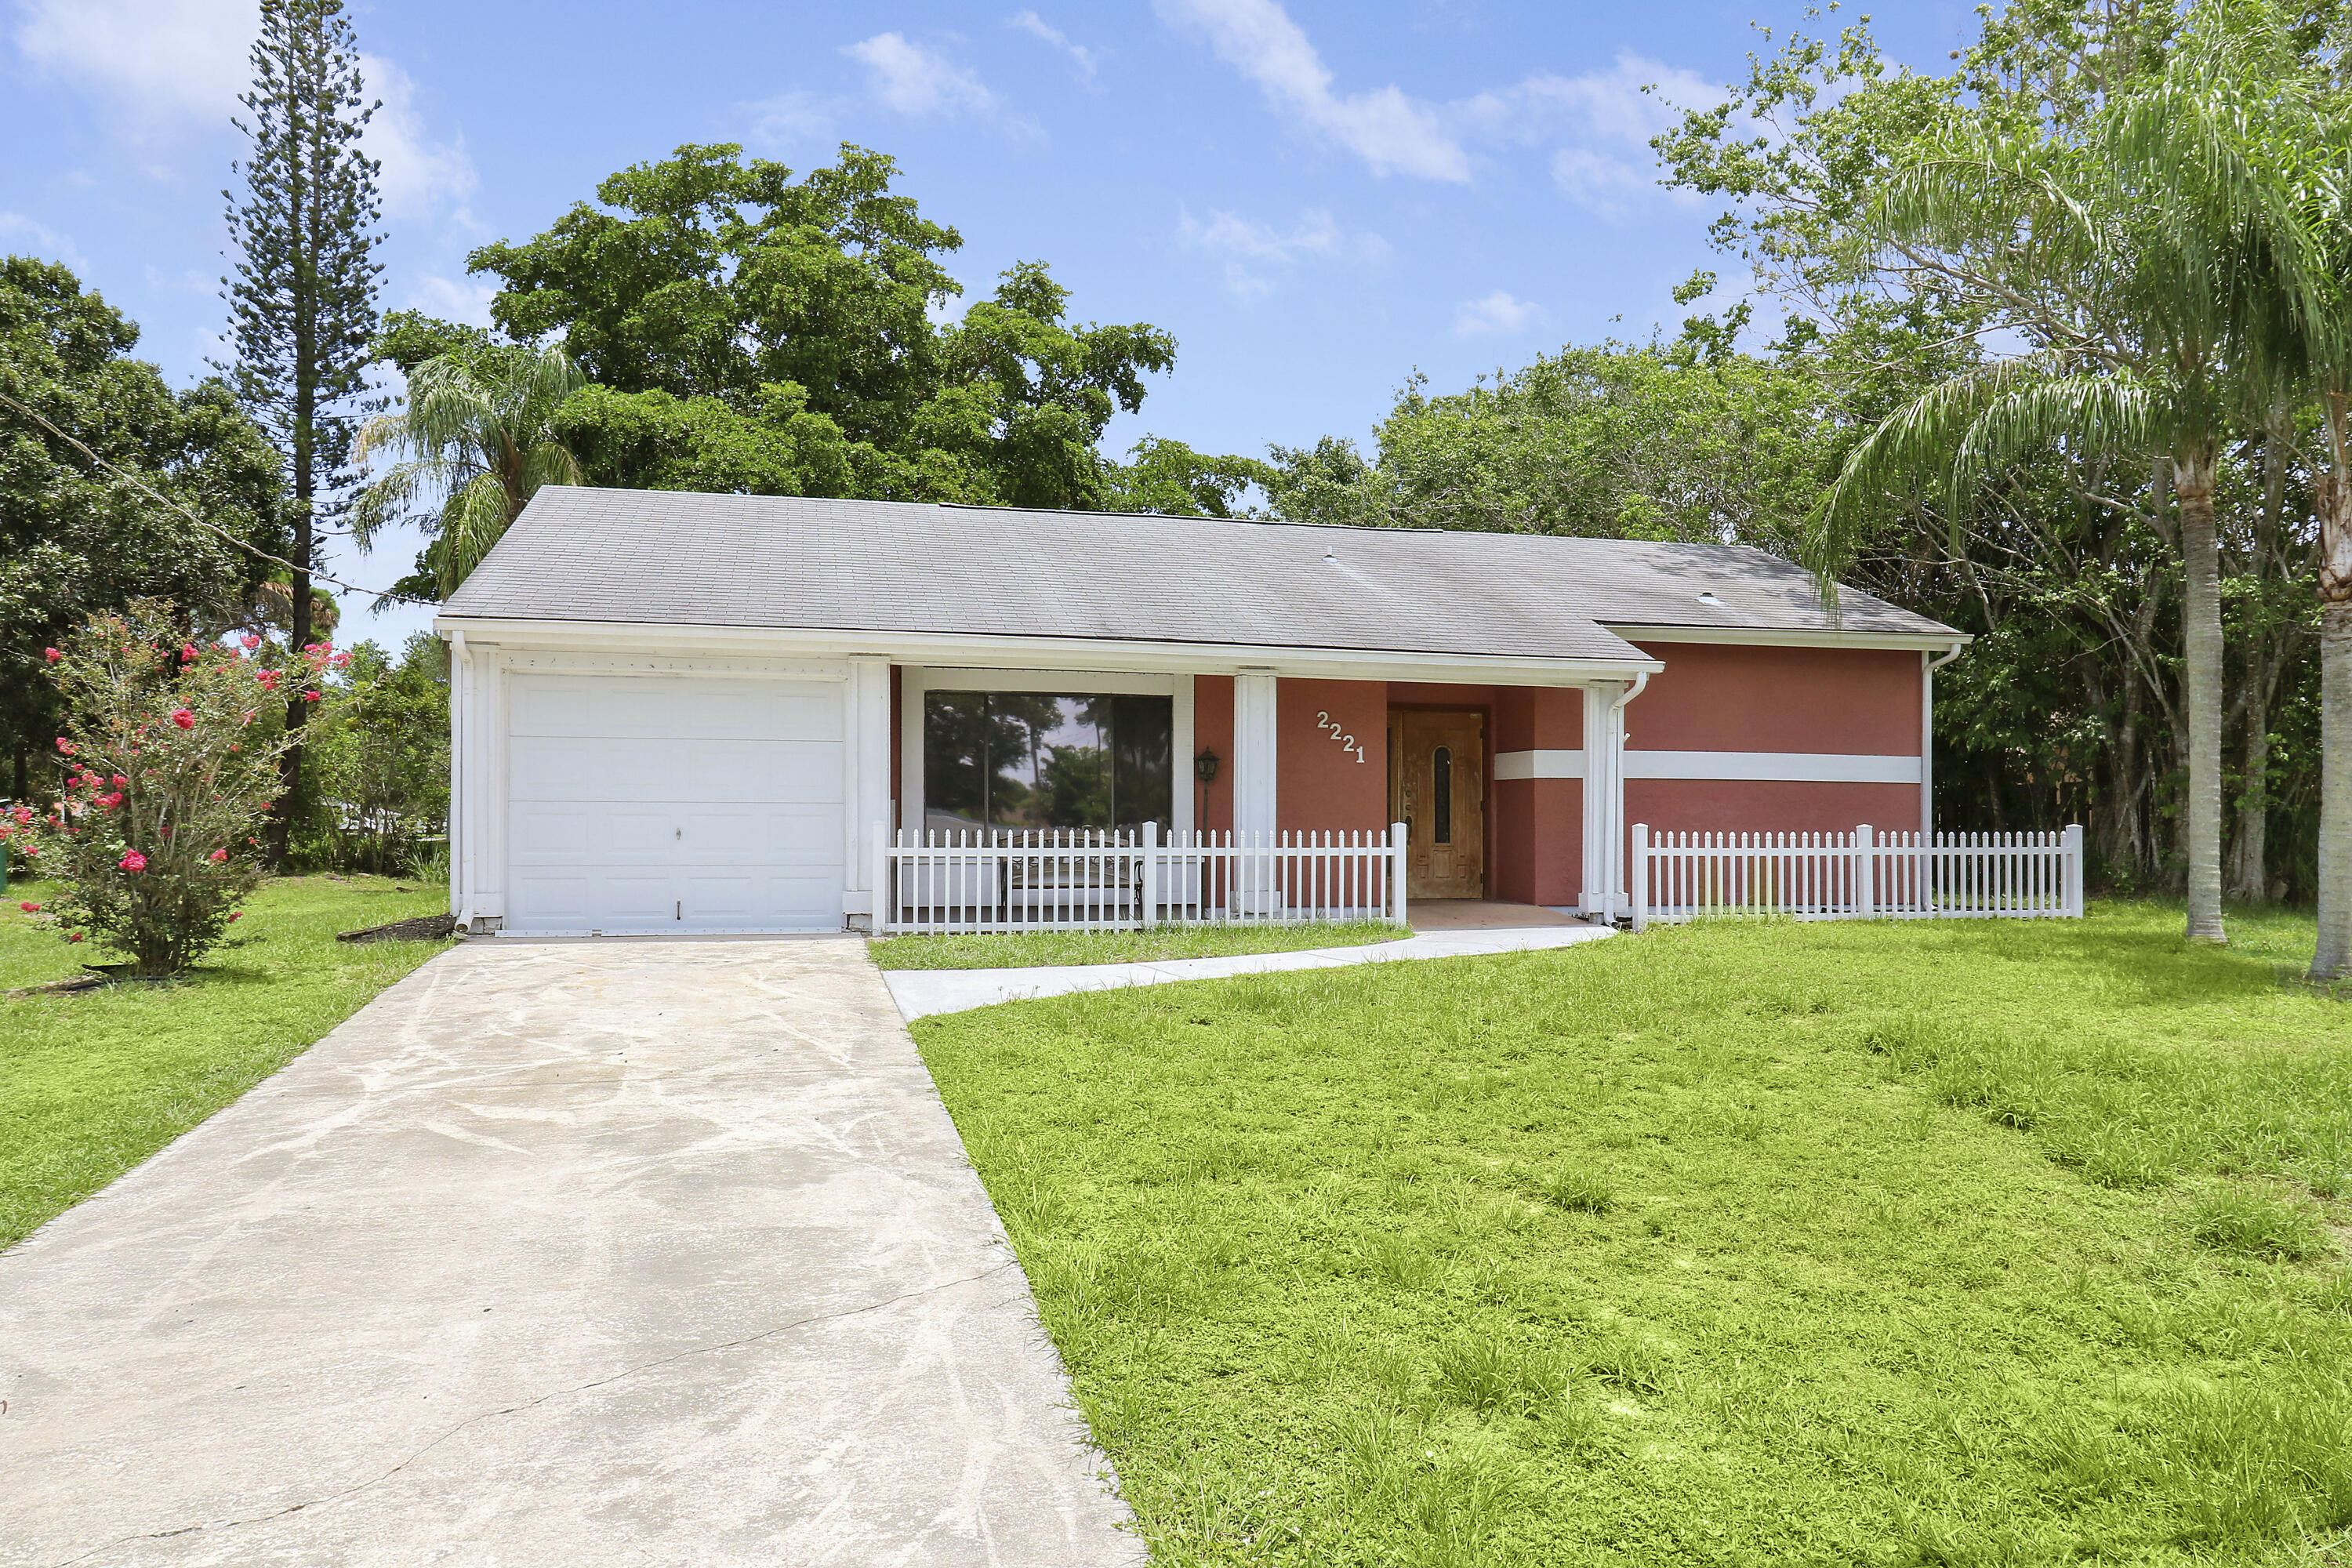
1067,799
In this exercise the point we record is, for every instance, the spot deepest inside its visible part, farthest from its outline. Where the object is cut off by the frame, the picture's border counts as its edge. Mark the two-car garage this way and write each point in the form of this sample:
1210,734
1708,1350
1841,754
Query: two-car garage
639,802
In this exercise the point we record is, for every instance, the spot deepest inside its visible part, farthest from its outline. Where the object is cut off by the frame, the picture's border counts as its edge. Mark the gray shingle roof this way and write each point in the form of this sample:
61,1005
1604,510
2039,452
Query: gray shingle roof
674,558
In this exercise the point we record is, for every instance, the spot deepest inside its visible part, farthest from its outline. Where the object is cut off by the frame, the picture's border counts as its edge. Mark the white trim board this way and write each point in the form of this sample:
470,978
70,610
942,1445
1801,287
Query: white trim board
1540,764
1782,767
1081,682
1785,767
1756,636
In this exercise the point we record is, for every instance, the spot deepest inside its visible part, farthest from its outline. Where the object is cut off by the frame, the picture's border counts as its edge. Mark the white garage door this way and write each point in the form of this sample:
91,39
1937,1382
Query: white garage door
674,802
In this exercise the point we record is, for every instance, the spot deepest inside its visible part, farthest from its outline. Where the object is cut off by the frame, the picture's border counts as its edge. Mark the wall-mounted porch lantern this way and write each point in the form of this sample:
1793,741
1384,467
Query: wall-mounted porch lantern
1205,767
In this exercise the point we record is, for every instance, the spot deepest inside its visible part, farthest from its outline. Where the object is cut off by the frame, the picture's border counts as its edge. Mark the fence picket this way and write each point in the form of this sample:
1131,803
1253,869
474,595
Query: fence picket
1862,875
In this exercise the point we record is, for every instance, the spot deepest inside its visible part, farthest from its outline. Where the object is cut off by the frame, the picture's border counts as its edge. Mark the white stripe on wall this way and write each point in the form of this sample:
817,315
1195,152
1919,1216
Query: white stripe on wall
1790,767
1569,765
1782,767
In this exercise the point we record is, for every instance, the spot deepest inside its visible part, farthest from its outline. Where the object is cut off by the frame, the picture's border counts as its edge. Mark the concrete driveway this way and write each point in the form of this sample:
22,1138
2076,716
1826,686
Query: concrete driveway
568,1254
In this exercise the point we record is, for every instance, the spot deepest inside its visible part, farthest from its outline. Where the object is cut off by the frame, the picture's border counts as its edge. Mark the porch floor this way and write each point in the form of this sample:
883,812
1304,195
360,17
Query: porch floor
1483,914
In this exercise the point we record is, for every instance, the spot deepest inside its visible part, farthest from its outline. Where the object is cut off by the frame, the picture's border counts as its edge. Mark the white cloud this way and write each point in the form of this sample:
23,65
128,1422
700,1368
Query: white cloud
1599,180
464,300
419,175
1037,27
1607,120
165,62
1497,313
790,119
1250,247
16,230
913,80
1391,133
1610,105
163,59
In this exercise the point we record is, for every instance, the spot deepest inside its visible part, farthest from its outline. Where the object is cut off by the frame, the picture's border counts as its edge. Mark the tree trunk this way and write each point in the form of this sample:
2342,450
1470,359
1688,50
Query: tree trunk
2331,499
2201,681
2249,870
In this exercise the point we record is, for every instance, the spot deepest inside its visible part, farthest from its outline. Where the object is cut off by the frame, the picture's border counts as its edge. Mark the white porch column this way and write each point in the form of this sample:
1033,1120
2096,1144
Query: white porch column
866,797
1254,752
1603,859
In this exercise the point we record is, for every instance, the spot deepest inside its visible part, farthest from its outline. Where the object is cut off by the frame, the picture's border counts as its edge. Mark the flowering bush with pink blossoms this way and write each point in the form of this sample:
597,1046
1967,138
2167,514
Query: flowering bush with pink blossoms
172,752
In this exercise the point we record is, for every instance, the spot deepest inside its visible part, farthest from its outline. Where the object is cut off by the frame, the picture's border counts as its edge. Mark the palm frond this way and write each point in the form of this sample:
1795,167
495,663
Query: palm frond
474,520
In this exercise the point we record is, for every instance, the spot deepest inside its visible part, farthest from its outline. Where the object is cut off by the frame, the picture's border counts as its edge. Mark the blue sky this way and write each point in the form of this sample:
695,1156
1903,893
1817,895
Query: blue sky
1317,198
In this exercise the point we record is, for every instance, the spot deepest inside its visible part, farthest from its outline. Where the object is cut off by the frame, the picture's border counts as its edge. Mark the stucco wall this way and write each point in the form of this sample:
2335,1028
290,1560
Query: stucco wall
1839,702
1320,784
1213,731
1725,698
1539,834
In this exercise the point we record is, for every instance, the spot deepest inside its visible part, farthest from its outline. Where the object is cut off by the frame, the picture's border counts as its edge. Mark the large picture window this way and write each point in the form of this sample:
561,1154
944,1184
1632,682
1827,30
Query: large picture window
1040,759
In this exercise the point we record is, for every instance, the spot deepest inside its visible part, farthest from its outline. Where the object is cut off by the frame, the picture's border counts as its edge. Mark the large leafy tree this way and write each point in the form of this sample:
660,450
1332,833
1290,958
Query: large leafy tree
2076,544
79,537
746,328
2132,259
1662,441
303,299
476,433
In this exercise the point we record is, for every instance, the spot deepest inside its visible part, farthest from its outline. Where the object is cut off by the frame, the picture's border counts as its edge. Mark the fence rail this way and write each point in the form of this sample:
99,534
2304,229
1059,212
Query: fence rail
997,879
1861,875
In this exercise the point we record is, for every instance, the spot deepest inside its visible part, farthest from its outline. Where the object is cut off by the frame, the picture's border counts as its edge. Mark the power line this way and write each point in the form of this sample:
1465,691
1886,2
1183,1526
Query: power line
130,477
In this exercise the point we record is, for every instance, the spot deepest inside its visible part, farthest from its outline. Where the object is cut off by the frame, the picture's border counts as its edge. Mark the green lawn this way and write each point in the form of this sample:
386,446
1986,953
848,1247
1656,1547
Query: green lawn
1995,1243
93,1082
1021,950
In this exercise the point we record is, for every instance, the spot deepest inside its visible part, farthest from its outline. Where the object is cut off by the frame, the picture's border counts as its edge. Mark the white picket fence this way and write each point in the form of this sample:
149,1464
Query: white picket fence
999,879
1862,875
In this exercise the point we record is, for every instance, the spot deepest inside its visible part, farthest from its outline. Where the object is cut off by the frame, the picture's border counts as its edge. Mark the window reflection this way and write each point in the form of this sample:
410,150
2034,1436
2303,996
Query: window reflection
1020,759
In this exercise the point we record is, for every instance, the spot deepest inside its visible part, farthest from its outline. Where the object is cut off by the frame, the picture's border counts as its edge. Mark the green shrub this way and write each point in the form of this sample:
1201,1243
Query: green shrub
174,761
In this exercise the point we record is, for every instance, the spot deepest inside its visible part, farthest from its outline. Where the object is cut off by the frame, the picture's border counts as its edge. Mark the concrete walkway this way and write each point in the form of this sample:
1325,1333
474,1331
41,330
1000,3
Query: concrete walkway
630,1252
923,992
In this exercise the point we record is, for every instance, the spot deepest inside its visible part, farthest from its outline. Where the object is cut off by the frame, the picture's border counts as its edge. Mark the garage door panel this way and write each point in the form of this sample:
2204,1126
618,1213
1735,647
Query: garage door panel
675,804
666,708
794,836
802,902
566,768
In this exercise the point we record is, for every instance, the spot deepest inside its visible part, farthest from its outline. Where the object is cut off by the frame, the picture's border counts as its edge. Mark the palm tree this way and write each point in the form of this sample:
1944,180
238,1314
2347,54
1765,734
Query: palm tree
482,438
2136,261
2317,340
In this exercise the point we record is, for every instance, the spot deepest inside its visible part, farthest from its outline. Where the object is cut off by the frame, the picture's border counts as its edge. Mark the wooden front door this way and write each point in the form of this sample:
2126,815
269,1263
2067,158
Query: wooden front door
1438,784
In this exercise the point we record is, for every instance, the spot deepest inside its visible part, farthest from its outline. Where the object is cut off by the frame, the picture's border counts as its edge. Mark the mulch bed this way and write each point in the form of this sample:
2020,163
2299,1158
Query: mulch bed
424,928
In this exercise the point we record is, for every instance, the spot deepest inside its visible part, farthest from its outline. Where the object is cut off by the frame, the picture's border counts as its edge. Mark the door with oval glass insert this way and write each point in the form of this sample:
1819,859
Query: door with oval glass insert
1438,786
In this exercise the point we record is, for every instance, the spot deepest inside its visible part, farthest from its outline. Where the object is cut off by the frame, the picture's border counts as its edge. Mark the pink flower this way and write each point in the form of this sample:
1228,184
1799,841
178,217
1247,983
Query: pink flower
250,642
268,678
30,908
217,856
310,697
184,719
51,654
64,745
236,745
109,802
188,653
120,780
76,936
23,814
236,914
339,660
134,861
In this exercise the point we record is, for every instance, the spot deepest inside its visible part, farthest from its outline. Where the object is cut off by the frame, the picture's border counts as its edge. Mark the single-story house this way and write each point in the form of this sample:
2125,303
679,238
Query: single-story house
698,712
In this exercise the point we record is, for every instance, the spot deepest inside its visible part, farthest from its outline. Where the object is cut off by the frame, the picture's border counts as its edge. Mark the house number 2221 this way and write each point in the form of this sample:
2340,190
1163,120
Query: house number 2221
1347,742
